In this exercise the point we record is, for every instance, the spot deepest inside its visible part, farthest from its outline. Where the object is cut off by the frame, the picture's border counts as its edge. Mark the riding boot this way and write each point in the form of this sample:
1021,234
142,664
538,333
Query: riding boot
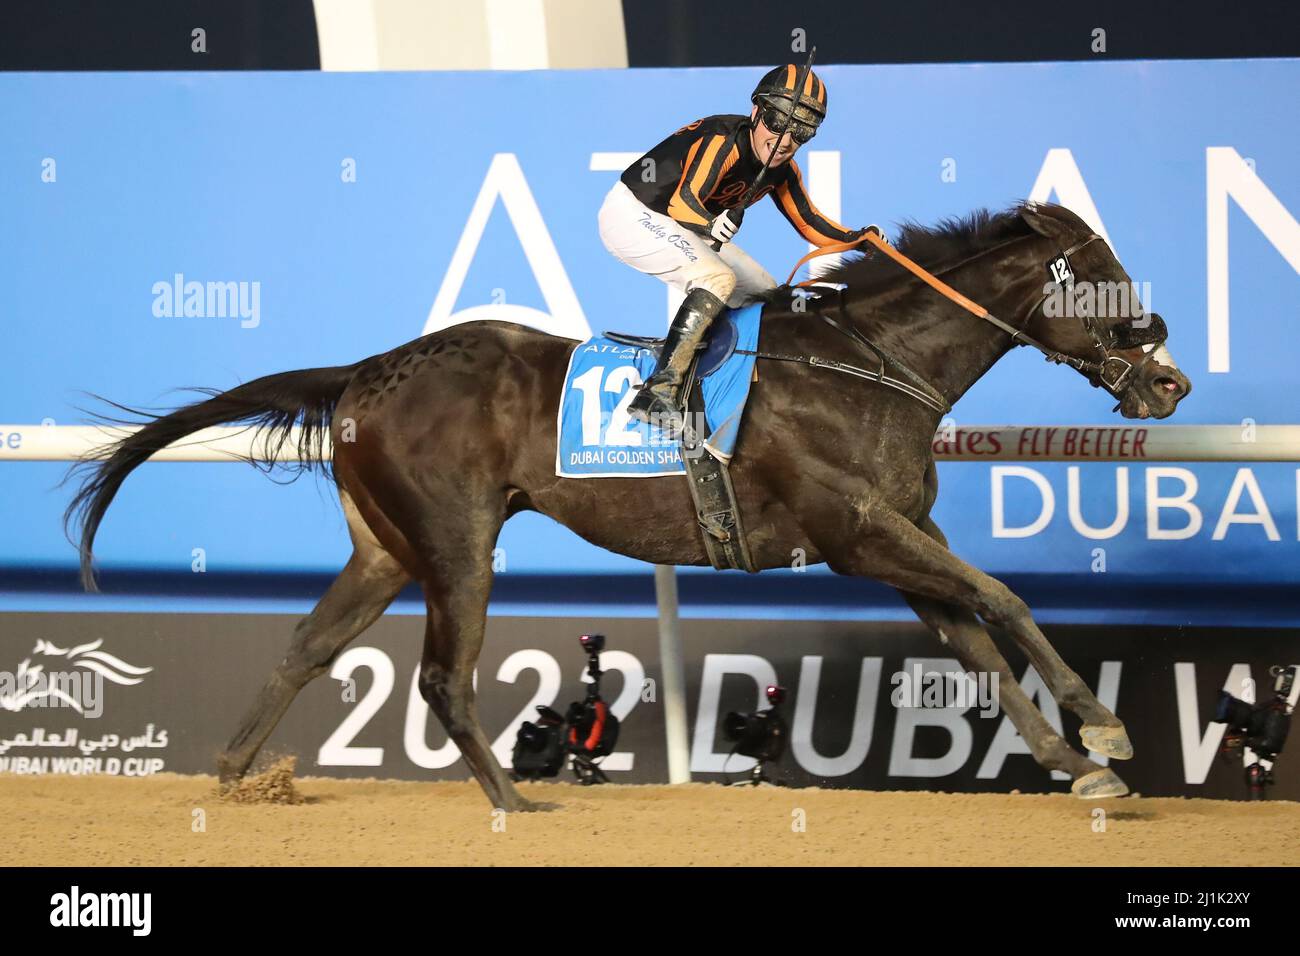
660,399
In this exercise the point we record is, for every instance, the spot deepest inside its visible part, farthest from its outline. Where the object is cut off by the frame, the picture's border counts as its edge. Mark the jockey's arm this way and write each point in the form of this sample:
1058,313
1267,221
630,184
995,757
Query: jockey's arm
792,199
703,168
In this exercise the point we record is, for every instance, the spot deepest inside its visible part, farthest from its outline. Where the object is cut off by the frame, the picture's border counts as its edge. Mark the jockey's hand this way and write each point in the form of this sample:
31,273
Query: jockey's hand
723,228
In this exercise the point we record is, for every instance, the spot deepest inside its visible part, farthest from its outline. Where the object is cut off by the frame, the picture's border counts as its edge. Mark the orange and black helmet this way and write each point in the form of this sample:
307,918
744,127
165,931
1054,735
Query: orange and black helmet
776,88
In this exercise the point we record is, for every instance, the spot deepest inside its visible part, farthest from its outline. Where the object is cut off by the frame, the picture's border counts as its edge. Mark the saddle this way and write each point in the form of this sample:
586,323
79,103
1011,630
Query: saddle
718,345
716,510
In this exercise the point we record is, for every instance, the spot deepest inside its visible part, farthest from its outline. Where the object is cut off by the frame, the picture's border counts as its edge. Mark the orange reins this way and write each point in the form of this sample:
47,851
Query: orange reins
937,284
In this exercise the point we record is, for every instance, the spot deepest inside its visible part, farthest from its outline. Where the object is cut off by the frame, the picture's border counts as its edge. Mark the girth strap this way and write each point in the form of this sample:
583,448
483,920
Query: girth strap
716,509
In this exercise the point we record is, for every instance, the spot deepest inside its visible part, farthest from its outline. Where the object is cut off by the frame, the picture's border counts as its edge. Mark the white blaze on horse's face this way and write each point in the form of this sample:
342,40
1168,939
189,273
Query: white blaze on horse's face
1162,357
1161,385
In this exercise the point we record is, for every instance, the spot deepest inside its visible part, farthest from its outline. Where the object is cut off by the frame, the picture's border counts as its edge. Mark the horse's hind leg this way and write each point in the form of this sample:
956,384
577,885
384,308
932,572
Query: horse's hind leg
456,593
959,629
448,518
354,601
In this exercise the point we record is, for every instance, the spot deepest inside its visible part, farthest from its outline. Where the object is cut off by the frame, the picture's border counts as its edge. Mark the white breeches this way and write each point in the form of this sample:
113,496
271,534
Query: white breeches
661,247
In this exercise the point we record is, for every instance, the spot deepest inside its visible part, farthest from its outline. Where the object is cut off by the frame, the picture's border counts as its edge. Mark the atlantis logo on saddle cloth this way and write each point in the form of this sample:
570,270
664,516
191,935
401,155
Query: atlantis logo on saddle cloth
597,439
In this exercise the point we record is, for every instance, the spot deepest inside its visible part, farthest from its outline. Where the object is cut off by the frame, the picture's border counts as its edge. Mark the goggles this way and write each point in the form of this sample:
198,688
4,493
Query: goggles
774,118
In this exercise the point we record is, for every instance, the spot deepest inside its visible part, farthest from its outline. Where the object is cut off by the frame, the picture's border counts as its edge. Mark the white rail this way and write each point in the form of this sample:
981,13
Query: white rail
1136,443
1075,443
76,442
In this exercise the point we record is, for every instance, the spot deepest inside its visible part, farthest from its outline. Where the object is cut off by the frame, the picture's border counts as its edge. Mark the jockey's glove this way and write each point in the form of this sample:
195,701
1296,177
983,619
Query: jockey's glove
723,228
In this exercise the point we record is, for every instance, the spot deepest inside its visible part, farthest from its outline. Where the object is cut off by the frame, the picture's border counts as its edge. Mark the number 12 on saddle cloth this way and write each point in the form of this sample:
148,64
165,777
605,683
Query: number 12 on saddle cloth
597,439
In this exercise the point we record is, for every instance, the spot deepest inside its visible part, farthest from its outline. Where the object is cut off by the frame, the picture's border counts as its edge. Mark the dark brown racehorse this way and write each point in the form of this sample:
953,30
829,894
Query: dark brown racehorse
437,443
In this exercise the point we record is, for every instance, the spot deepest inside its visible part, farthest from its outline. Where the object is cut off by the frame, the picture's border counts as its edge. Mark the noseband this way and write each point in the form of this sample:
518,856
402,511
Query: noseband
1113,372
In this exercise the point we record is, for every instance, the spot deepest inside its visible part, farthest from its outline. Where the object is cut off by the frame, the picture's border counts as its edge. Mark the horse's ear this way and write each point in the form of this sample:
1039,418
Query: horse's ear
1041,217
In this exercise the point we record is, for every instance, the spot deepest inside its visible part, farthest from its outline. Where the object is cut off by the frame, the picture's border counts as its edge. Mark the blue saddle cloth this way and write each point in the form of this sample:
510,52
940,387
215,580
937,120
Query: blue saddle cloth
597,439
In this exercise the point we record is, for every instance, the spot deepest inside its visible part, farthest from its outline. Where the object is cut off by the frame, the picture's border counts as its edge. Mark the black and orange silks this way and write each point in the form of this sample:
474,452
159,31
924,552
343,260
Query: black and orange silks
708,166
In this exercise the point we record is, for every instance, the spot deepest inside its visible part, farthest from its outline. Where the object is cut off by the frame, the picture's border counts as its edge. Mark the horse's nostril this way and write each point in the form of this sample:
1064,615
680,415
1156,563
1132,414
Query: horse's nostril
1170,385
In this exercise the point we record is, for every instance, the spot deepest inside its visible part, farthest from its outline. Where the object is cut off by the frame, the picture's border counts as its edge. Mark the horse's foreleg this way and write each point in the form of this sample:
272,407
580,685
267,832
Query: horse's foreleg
354,601
1102,731
959,630
892,549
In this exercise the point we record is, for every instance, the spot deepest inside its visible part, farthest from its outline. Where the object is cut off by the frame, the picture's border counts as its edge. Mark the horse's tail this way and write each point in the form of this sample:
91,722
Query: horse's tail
271,406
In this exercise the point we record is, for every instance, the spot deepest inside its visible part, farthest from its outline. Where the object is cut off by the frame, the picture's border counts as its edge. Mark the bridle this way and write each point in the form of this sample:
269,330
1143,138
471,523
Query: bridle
1113,372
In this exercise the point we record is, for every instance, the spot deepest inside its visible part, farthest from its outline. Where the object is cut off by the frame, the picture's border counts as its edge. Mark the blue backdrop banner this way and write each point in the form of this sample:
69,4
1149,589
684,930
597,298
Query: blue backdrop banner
320,218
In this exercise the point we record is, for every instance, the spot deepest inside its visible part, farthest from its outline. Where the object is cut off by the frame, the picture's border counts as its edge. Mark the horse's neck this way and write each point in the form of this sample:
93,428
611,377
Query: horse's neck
938,339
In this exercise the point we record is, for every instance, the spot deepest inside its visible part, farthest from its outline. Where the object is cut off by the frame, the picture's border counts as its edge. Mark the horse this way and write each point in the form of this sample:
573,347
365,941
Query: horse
438,442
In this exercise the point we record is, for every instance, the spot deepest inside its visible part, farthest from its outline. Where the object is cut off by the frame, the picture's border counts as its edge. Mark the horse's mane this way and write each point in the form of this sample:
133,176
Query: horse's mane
947,241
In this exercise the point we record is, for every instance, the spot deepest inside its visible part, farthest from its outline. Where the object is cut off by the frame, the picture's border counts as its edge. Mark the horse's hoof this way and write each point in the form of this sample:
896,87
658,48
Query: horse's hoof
1110,742
1098,784
227,775
534,806
542,806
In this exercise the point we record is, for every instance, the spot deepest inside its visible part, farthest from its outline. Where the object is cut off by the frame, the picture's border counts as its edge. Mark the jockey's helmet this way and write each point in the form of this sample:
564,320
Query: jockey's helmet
774,92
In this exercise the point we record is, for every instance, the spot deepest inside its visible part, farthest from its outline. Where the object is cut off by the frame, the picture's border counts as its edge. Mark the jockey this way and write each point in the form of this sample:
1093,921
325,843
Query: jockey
674,212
